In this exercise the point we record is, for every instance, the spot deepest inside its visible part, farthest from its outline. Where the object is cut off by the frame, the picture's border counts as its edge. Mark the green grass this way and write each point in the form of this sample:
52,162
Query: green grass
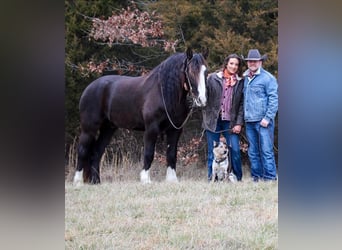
191,214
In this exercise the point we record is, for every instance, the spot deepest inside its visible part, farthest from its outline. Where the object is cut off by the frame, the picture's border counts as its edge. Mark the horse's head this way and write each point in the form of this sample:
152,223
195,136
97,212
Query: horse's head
196,76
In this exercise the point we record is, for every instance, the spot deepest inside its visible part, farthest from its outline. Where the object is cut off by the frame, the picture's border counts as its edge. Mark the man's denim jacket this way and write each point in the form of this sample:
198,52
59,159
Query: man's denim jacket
260,96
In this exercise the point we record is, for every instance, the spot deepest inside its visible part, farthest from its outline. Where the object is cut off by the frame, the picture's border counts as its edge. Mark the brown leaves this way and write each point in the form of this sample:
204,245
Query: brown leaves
132,25
120,68
189,153
93,67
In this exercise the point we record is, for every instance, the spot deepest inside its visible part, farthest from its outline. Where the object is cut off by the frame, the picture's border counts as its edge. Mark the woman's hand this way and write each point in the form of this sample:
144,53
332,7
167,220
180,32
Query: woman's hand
236,129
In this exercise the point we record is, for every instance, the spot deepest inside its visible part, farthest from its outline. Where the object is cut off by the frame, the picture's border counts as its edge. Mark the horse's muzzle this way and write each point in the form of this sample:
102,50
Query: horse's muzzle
200,102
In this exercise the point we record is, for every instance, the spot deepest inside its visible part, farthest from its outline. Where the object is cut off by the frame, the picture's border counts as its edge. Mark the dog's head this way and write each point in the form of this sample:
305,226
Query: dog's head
220,150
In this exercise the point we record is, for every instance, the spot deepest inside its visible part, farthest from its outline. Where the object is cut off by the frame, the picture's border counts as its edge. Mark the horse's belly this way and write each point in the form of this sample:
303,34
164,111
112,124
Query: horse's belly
127,121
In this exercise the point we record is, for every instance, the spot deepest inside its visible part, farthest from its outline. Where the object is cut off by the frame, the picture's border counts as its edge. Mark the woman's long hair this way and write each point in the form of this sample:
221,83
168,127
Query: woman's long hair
226,60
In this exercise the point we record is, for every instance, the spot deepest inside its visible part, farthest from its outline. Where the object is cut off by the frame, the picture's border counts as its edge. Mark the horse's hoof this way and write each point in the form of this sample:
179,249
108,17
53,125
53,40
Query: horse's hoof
145,177
78,178
171,175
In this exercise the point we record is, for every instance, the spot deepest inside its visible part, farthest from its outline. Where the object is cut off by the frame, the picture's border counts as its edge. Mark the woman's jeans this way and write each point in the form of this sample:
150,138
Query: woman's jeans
260,151
233,142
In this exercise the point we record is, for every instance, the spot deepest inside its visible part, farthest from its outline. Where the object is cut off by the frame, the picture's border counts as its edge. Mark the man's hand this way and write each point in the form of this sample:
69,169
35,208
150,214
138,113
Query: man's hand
264,123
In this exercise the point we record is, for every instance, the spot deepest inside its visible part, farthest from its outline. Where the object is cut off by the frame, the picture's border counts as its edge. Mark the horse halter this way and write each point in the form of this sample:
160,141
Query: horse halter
187,62
187,83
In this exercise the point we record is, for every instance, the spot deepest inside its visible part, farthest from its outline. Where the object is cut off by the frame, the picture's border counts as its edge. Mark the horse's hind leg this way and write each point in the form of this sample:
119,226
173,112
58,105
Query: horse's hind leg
85,148
106,133
171,154
150,138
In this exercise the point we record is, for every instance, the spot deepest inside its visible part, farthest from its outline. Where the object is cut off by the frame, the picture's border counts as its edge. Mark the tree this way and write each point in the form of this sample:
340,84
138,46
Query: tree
130,26
230,26
135,40
130,38
78,52
130,34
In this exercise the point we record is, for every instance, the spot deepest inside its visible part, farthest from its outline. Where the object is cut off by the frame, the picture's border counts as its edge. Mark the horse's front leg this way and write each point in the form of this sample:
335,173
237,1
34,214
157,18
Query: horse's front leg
171,154
150,138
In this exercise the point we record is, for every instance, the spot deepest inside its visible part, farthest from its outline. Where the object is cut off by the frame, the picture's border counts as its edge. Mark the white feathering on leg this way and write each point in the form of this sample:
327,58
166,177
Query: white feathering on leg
171,175
145,177
78,178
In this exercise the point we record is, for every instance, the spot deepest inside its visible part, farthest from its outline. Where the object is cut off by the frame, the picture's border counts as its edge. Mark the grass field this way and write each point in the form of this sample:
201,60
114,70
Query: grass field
192,214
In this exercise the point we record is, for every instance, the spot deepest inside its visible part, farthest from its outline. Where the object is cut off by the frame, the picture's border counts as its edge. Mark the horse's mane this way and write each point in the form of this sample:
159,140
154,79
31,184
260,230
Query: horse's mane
169,75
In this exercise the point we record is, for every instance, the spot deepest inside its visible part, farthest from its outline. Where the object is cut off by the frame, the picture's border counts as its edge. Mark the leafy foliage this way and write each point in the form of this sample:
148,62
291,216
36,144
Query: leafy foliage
129,26
126,37
225,27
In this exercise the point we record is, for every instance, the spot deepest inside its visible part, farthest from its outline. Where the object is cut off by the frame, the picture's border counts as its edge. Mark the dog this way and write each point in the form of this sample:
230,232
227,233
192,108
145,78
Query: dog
221,163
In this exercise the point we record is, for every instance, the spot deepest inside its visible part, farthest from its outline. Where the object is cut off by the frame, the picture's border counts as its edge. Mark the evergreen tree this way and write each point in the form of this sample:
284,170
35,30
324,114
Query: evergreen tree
225,27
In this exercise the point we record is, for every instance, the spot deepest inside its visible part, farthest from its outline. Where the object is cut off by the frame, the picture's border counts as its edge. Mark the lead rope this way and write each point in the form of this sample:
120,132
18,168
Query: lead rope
167,113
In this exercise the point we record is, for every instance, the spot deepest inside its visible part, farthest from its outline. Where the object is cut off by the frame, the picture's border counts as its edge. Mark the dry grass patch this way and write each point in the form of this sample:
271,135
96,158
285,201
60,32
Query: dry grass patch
187,215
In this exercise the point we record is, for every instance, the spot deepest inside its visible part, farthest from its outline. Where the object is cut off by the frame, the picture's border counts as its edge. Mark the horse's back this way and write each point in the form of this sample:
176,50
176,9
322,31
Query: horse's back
117,98
128,99
104,86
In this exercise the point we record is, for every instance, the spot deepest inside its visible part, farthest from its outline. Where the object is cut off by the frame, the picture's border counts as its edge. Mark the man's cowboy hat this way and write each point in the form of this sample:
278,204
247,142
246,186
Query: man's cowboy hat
254,55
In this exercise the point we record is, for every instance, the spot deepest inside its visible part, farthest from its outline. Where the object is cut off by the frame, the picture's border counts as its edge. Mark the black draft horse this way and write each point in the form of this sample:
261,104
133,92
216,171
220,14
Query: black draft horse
155,103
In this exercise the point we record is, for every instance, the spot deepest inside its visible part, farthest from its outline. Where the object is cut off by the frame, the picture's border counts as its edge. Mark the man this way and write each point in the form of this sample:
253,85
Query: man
260,108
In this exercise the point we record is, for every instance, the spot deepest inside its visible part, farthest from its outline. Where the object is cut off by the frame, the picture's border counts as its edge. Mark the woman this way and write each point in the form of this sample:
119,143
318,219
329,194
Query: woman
224,111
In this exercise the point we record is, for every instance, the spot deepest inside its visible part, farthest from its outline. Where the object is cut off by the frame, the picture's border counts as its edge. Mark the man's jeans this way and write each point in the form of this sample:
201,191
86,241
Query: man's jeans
233,142
260,150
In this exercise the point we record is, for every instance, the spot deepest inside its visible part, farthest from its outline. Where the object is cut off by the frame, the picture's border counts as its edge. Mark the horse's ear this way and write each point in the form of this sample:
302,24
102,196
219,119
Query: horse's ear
205,53
189,53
